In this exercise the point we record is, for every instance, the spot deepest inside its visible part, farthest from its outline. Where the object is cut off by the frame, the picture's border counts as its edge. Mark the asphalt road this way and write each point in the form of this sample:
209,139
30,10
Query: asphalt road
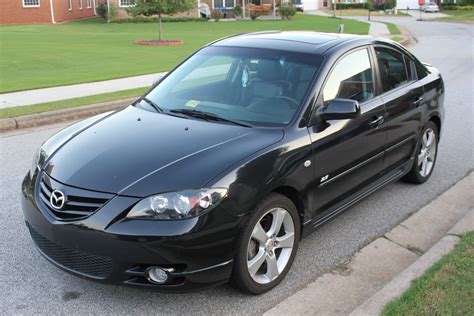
29,284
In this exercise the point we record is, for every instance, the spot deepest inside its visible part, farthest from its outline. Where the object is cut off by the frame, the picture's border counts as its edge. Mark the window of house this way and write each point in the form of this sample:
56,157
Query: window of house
31,3
127,3
88,4
69,5
350,79
224,4
392,68
80,4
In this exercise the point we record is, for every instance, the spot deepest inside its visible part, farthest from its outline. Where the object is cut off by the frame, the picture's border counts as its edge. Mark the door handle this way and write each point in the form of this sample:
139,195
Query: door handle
377,121
417,102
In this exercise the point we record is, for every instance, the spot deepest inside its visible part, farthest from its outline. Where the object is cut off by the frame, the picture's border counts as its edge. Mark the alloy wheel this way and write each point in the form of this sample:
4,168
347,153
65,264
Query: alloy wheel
427,153
271,245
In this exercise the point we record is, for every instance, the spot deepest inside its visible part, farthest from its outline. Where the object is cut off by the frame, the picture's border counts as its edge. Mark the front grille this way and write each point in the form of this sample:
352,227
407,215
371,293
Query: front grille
83,263
79,203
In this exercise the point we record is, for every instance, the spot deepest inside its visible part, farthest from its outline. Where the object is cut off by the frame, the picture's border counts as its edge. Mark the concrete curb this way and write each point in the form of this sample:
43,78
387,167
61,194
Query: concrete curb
57,116
401,283
384,269
409,38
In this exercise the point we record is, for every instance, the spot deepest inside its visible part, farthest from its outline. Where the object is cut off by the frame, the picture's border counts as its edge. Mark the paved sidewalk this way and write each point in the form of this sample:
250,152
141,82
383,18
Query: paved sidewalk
385,268
75,91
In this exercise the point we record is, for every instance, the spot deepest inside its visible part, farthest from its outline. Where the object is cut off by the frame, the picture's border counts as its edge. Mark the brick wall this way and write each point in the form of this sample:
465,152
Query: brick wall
62,12
13,12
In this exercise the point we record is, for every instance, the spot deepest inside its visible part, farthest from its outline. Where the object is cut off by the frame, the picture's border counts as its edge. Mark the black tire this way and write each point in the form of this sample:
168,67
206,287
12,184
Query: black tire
415,176
241,277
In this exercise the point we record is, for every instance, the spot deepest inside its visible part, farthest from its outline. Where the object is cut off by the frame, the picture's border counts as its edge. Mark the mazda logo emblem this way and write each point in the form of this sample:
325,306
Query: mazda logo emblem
57,199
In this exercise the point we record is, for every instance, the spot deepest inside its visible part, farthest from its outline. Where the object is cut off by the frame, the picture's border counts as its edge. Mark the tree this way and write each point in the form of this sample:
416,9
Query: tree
159,7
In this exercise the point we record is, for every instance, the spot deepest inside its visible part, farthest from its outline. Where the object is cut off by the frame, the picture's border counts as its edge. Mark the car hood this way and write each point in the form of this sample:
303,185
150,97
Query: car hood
138,153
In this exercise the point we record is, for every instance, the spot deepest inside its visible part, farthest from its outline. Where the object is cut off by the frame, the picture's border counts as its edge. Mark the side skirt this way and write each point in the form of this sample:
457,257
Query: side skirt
388,178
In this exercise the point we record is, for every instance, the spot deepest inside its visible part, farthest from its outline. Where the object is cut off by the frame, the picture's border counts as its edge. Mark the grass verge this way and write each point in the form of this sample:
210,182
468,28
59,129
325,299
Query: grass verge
69,103
447,288
462,16
39,56
392,28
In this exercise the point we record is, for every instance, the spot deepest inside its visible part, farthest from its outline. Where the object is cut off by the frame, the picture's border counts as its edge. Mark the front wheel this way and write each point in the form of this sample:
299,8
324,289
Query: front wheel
267,245
425,155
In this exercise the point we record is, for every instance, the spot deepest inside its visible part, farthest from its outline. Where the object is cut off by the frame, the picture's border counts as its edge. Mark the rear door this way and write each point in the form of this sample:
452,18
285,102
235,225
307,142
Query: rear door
403,96
348,154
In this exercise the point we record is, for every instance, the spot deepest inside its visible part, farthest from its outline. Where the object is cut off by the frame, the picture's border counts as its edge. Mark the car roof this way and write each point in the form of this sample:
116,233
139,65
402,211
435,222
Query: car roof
293,41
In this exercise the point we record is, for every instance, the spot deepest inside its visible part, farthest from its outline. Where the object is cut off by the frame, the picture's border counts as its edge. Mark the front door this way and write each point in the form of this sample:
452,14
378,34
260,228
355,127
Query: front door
348,154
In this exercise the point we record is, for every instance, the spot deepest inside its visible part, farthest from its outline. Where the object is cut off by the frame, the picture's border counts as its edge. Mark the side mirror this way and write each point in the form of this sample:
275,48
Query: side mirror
340,109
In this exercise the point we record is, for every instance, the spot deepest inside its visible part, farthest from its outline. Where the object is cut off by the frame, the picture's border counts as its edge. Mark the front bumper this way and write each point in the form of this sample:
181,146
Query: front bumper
107,247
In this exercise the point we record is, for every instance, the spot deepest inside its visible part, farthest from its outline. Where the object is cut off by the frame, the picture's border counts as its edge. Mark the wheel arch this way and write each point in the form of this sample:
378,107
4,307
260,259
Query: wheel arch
437,122
294,196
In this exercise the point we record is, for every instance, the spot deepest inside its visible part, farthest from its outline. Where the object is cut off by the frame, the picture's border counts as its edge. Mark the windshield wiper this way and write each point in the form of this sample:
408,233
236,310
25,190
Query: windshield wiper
153,104
208,116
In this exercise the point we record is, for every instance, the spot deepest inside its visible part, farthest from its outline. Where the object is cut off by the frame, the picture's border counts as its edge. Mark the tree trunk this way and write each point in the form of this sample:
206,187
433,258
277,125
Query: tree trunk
160,31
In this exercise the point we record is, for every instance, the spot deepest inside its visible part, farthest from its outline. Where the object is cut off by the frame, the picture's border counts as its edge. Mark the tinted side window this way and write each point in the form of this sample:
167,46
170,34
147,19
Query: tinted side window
351,78
393,72
420,70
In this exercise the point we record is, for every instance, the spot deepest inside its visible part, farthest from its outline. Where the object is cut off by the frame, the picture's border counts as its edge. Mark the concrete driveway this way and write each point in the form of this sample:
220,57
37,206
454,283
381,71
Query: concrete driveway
31,285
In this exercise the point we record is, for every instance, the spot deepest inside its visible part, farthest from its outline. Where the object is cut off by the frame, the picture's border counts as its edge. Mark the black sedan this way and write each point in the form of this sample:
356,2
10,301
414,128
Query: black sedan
219,170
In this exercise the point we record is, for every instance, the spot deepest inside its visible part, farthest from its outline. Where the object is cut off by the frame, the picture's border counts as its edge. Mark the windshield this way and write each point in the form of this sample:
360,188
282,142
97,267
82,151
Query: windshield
258,86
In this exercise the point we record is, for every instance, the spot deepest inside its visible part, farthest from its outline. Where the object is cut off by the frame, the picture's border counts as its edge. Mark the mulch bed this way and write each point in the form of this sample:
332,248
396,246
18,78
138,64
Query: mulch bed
159,43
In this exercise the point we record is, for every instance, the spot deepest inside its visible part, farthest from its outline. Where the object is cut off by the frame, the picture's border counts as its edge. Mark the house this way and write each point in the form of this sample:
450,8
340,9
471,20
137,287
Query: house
262,6
226,6
46,11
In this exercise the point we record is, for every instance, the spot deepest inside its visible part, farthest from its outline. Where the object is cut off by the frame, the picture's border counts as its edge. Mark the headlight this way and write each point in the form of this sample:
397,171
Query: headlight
177,205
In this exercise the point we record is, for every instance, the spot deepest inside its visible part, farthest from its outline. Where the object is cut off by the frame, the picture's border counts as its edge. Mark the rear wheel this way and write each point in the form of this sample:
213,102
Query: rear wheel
267,245
425,155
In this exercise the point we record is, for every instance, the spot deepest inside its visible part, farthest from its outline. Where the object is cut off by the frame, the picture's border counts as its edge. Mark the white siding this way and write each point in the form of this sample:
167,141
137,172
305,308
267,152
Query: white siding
310,5
403,4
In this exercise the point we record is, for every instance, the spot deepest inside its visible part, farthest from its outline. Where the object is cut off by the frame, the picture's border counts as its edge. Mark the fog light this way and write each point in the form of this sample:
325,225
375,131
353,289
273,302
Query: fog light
157,275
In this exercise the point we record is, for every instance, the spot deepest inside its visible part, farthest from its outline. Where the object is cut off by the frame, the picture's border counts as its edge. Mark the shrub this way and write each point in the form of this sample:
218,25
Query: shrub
102,11
254,15
390,4
356,5
237,11
455,6
216,15
287,11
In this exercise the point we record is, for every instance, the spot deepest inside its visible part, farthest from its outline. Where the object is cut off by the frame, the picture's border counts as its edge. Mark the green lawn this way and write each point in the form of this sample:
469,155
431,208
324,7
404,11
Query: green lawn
447,288
37,56
464,16
397,39
392,28
70,103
